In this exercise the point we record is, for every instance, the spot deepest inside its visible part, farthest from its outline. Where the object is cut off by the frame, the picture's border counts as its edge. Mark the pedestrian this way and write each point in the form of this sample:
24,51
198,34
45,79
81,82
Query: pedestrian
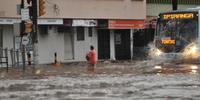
91,59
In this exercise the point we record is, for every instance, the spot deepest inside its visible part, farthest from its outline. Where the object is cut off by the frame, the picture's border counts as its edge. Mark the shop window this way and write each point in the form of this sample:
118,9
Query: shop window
90,32
80,34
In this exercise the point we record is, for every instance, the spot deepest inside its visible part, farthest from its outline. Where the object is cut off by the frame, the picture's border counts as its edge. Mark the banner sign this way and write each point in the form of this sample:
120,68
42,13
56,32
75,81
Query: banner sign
9,21
126,24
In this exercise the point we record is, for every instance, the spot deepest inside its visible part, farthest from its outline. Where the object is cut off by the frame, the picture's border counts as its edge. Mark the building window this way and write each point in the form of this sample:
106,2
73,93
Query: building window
90,32
80,34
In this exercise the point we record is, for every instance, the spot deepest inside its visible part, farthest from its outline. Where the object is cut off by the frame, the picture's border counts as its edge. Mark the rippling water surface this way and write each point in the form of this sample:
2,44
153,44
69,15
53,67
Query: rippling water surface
144,82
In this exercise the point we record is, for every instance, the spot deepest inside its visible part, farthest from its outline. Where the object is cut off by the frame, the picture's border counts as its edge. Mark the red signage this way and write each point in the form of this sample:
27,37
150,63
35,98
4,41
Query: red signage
126,24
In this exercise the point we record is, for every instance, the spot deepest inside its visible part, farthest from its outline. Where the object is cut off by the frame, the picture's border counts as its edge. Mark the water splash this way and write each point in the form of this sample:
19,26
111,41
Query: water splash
190,53
154,54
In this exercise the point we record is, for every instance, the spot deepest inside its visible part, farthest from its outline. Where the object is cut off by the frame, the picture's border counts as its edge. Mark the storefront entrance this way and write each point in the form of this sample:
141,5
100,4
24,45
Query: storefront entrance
122,44
103,44
68,37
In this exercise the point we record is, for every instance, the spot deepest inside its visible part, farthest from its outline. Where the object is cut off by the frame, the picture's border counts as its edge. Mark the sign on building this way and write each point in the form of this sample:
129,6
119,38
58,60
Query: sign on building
25,14
86,23
25,40
50,21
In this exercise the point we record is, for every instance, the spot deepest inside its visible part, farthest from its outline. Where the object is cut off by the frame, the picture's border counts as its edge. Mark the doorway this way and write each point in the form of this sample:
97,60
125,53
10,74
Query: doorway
68,37
122,44
103,44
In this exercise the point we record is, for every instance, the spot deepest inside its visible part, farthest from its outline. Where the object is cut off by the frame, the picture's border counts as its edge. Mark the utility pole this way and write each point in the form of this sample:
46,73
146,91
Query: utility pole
174,4
34,33
22,34
29,28
33,14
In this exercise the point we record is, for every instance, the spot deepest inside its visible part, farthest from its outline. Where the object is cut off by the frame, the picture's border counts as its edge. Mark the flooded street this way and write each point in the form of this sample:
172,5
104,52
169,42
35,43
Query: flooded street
110,81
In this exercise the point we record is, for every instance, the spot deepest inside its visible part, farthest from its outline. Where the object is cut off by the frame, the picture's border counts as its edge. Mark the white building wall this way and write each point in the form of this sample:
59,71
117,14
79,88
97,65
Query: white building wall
112,45
49,44
69,44
7,36
82,47
8,39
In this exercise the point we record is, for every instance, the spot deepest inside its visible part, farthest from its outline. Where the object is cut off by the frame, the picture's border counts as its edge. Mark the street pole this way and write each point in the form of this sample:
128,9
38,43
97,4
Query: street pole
35,35
22,45
174,4
131,44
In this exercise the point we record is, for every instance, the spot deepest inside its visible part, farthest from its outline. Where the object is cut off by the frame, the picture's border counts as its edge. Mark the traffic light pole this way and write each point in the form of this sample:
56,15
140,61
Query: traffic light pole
34,34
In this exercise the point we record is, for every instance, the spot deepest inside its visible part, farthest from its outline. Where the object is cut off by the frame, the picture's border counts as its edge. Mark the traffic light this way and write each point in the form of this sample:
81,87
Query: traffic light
41,7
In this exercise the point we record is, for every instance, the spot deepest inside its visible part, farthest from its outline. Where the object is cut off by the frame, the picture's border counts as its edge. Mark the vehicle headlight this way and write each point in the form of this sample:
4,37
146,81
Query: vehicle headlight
193,49
190,50
158,52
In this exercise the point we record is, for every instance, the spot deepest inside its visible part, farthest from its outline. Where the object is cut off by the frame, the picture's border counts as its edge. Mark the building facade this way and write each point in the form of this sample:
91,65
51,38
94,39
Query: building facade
69,27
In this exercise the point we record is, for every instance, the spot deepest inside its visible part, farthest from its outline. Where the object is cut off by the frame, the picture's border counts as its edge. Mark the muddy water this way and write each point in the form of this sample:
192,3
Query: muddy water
148,84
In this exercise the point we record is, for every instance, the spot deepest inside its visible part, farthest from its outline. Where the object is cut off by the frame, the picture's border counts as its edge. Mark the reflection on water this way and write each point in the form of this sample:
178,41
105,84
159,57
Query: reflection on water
158,67
194,71
170,69
194,67
91,69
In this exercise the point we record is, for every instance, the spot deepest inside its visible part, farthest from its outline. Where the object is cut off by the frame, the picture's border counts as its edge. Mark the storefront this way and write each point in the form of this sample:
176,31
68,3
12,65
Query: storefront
123,37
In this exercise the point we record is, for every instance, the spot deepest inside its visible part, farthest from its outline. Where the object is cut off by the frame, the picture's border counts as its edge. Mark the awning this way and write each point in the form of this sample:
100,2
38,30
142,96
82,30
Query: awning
126,24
